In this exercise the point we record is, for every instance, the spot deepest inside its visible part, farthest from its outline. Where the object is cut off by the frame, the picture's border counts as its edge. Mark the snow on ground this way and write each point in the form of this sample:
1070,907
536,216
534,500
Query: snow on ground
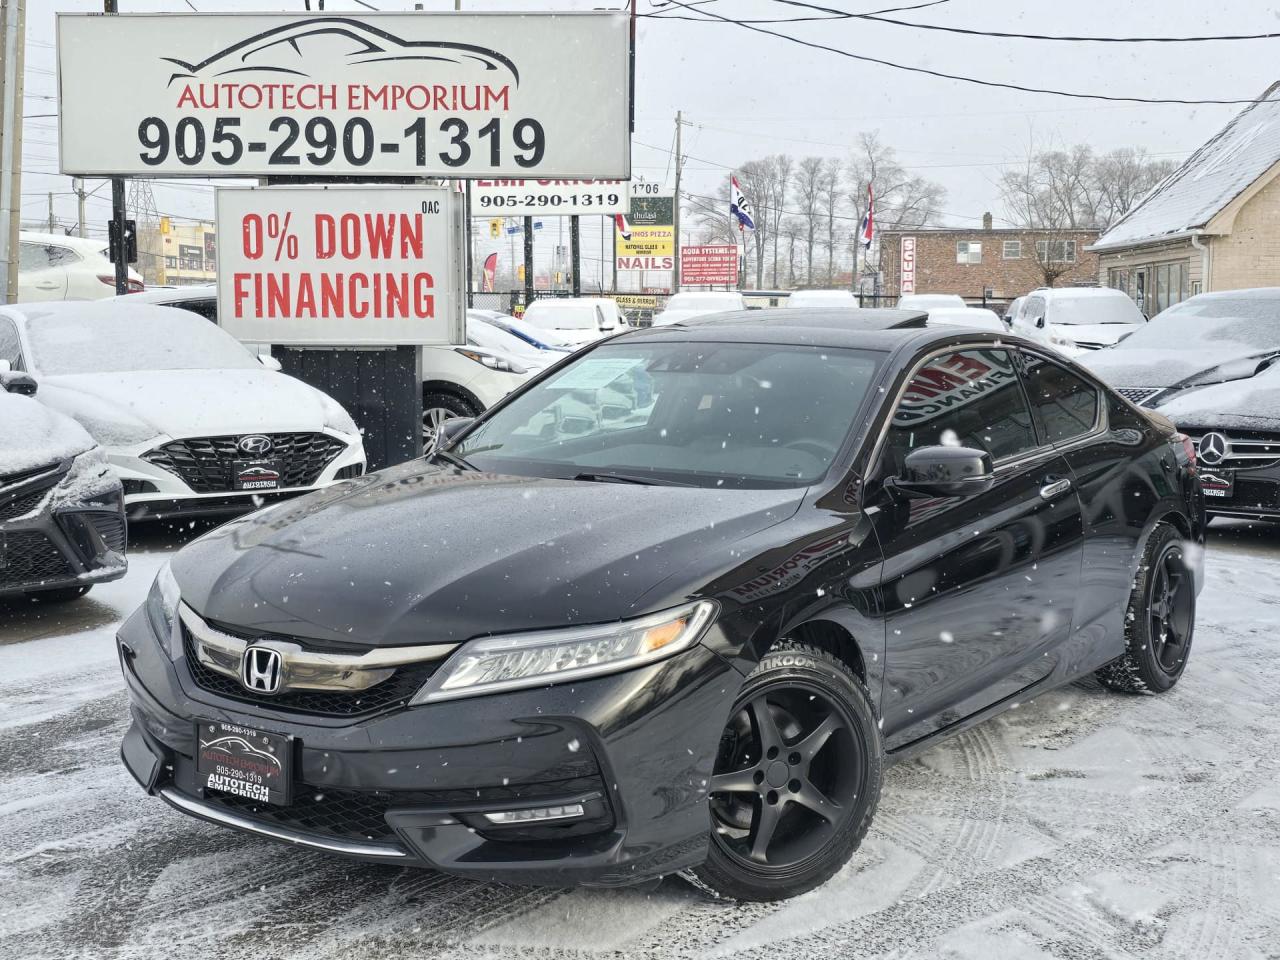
1081,825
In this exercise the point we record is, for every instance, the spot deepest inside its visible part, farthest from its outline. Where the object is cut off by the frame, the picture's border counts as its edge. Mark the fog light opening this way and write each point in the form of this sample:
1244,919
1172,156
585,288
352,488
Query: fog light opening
567,811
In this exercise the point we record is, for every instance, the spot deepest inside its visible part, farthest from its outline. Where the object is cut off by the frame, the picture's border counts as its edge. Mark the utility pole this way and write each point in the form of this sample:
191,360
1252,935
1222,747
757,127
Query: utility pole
675,213
118,213
13,15
575,255
528,261
53,221
77,184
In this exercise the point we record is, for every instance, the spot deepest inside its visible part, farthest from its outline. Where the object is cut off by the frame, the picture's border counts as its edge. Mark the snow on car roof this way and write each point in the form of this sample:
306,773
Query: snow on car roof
1213,176
32,435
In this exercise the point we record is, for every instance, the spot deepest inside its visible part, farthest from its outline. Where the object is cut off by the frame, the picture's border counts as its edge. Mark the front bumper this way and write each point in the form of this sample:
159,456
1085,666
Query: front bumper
413,785
62,544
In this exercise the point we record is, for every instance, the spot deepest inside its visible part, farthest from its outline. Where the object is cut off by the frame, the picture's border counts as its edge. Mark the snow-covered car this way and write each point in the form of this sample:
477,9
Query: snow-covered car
972,317
482,332
1210,364
55,267
822,300
62,526
698,303
577,319
1074,320
191,421
199,298
1012,309
548,340
931,301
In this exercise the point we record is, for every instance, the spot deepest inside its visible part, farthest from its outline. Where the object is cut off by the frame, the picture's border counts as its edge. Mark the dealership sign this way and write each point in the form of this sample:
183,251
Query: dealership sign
368,94
709,263
907,271
528,198
340,266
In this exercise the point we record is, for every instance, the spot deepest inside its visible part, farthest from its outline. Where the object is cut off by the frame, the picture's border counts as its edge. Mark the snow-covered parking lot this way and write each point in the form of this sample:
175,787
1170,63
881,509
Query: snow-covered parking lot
1082,825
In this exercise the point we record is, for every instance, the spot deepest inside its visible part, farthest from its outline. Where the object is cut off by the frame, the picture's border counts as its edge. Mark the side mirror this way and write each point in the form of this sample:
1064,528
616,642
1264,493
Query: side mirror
945,472
5,366
451,429
13,381
270,362
1039,323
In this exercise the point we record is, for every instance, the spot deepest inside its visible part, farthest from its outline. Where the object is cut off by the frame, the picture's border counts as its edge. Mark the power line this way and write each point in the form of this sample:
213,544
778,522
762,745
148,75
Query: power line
836,14
951,76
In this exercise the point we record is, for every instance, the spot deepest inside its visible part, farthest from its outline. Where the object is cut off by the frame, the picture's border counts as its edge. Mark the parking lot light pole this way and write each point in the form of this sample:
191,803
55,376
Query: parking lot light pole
12,44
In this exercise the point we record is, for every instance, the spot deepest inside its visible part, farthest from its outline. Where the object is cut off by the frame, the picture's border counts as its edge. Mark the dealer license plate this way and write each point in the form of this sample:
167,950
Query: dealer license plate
1220,484
244,762
258,475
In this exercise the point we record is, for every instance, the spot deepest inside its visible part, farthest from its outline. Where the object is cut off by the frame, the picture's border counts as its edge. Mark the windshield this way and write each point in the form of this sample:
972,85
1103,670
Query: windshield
565,316
1078,311
124,340
703,414
1246,326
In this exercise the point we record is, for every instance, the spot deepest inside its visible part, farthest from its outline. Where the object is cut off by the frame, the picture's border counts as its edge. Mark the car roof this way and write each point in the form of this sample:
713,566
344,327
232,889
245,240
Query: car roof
1248,293
62,240
201,291
50,309
1077,292
877,329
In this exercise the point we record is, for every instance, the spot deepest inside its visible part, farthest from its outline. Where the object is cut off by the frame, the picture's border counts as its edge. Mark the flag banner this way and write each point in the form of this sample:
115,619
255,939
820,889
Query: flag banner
489,282
868,228
739,205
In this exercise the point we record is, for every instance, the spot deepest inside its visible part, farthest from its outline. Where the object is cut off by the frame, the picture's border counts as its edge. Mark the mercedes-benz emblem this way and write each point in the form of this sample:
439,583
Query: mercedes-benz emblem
261,670
256,445
1214,448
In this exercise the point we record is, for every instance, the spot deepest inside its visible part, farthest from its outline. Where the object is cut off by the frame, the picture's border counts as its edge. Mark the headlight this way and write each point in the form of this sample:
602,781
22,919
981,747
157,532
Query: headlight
336,417
1061,340
162,606
554,656
493,361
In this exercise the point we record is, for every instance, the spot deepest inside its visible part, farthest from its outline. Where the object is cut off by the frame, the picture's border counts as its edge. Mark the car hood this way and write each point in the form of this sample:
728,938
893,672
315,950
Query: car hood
1249,404
1105,333
1177,370
423,554
32,435
188,403
578,336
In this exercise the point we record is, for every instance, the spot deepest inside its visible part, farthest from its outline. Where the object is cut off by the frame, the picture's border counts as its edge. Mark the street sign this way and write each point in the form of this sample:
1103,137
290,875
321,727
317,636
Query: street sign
519,198
652,244
340,266
715,263
339,94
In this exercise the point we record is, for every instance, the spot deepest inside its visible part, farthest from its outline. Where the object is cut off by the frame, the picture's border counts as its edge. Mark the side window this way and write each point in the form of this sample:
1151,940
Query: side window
60,256
32,256
10,349
1065,405
970,399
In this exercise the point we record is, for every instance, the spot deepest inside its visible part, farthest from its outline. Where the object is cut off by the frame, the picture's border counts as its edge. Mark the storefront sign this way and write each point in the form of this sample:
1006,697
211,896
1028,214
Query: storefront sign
907,270
715,263
526,198
371,94
340,266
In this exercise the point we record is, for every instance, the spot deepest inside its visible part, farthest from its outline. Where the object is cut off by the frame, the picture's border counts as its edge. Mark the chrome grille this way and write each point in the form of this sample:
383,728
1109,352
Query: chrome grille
207,464
1244,450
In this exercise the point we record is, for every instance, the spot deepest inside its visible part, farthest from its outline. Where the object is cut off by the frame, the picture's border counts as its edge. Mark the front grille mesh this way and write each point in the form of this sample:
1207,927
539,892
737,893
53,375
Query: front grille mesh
1249,494
31,558
22,506
393,692
207,464
1138,395
361,815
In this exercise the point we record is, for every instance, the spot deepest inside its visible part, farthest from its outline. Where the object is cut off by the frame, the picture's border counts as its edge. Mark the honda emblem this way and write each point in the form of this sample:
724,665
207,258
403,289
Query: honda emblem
261,670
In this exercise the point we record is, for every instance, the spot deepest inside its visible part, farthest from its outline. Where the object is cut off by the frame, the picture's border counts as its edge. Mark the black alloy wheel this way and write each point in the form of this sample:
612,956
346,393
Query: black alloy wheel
796,778
1160,620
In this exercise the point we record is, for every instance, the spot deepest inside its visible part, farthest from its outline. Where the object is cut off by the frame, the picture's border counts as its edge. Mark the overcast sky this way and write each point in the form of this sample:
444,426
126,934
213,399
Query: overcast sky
745,95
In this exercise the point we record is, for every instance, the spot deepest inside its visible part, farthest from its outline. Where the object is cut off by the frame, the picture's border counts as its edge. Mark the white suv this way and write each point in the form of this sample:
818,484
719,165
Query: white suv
54,267
1075,319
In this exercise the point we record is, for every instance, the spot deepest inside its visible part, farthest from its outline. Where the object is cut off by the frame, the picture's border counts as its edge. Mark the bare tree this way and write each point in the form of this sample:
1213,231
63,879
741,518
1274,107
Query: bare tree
781,167
832,188
808,186
1124,177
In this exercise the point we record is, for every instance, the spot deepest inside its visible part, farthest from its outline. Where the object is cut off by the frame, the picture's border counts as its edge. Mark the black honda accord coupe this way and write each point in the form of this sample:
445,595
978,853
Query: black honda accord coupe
671,607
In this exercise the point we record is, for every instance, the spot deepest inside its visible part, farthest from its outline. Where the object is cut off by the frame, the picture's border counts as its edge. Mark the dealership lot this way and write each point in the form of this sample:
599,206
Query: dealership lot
1081,824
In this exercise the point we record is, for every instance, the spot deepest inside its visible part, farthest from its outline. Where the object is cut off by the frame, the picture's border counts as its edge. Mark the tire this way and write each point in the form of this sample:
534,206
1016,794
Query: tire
1159,621
59,595
437,407
805,691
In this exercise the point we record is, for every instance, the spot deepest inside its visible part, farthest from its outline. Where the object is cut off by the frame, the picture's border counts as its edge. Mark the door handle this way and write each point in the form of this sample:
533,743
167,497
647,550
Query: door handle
48,285
1054,487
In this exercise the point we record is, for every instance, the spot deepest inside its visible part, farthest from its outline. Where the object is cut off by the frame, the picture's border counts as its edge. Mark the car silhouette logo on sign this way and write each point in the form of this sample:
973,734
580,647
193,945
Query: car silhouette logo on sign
256,445
1214,448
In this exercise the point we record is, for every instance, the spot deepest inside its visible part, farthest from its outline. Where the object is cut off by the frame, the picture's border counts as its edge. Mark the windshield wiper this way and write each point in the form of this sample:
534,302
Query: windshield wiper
452,458
630,478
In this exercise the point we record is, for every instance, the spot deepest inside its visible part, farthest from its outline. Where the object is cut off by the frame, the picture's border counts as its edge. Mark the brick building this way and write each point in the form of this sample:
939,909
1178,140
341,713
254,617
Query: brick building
1213,224
1002,263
